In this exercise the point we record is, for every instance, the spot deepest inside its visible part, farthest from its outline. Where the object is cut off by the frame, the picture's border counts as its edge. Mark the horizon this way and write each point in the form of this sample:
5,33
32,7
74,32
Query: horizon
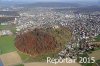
35,1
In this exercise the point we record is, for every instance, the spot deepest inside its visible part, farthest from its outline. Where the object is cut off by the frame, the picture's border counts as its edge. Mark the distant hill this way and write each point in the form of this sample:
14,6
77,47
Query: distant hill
51,4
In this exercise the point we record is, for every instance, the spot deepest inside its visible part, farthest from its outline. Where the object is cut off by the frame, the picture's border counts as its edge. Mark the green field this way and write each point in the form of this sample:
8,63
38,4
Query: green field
85,64
7,44
41,58
97,39
2,27
8,27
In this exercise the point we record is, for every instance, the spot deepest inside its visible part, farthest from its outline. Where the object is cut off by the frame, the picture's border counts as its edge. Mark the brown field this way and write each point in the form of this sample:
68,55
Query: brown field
10,59
95,54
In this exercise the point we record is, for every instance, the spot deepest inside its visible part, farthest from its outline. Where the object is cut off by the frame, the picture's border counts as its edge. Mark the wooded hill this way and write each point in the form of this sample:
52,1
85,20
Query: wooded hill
41,41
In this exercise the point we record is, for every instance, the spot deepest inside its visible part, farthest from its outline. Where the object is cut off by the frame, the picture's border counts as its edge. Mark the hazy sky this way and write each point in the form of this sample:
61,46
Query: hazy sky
53,0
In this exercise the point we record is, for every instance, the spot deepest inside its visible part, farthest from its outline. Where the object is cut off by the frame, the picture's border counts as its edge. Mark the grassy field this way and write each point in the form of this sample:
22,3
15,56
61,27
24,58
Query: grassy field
97,39
8,27
41,58
7,44
2,27
90,55
95,54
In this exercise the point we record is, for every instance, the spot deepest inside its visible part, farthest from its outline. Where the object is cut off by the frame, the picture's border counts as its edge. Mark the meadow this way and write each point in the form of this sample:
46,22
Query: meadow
7,44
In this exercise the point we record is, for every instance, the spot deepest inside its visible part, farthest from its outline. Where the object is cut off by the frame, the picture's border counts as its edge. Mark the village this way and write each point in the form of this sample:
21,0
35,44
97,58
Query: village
85,26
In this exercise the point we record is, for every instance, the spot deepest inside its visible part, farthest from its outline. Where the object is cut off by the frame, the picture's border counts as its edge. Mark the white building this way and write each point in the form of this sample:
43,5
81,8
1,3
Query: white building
5,32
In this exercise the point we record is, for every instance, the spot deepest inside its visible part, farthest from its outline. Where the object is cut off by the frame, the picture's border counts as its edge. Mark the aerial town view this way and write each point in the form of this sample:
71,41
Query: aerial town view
49,32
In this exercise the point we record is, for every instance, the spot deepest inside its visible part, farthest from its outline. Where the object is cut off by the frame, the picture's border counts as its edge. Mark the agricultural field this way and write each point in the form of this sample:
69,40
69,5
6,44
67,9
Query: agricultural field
41,58
8,27
95,54
11,59
2,27
97,39
7,44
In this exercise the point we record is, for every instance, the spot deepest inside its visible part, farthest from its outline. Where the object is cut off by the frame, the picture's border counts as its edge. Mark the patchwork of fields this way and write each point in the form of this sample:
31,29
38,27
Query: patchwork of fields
8,51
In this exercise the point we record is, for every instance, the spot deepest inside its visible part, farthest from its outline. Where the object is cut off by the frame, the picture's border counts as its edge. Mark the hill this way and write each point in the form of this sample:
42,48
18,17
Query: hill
43,40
